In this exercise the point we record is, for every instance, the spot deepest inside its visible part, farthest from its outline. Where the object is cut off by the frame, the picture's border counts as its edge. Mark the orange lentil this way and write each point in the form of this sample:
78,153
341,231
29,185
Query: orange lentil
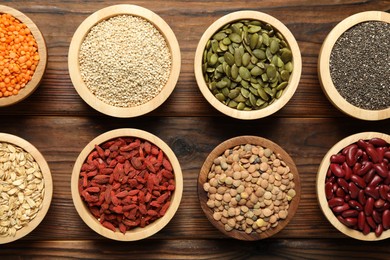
18,55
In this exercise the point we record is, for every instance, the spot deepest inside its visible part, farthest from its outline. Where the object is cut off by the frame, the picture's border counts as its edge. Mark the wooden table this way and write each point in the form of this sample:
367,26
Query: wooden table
59,123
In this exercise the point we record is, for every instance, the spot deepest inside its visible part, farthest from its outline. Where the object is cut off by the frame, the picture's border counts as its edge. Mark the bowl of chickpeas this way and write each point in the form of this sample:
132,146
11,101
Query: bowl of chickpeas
249,188
24,53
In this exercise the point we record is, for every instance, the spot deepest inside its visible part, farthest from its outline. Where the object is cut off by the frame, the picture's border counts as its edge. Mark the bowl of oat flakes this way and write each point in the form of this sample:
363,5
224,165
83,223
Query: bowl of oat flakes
249,188
124,60
26,188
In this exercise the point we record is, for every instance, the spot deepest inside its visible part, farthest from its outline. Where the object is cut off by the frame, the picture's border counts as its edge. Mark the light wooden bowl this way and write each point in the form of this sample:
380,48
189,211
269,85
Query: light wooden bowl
321,176
324,68
136,233
74,66
294,77
219,150
32,85
28,147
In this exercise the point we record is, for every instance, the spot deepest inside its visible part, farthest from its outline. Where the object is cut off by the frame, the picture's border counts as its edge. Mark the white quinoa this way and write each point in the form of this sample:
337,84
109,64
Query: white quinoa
125,61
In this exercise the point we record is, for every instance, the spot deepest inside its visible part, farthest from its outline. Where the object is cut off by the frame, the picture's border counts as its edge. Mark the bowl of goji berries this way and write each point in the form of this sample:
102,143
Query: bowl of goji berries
23,56
353,186
127,184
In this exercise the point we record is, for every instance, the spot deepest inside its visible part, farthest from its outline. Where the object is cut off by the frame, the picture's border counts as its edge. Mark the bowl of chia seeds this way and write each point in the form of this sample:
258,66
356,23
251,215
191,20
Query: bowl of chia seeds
247,65
354,66
124,60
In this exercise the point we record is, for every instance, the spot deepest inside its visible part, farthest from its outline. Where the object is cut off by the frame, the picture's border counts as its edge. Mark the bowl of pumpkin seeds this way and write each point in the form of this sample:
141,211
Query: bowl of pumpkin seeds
247,65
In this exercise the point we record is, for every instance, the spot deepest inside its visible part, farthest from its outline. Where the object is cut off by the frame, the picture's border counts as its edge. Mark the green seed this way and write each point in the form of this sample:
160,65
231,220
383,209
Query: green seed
259,102
226,41
252,99
282,85
256,71
260,54
234,71
234,37
219,36
279,93
244,84
271,71
262,94
254,91
213,59
269,91
254,29
265,39
246,59
220,97
222,46
244,92
254,40
286,55
288,66
234,93
232,104
241,106
274,46
214,46
240,98
221,84
244,73
225,92
237,57
229,58
285,75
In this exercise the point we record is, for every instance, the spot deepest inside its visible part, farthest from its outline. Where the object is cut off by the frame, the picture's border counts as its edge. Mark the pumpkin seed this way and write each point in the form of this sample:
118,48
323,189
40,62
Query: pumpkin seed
240,98
254,40
260,54
220,97
252,99
286,55
262,94
238,57
225,92
234,93
282,85
229,58
244,92
234,37
285,75
271,71
234,71
256,71
254,29
219,36
241,106
244,73
246,59
232,104
274,46
226,41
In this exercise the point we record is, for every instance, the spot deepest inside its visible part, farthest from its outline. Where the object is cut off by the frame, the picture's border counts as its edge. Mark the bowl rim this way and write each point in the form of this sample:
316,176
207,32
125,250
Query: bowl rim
104,14
320,186
294,78
47,198
253,140
323,67
36,79
137,233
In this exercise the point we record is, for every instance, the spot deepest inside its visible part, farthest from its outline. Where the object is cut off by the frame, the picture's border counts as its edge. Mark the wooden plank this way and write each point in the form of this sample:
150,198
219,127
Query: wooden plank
309,21
306,140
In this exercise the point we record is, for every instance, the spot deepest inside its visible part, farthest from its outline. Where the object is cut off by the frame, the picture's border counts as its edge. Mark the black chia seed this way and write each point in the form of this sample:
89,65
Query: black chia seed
360,65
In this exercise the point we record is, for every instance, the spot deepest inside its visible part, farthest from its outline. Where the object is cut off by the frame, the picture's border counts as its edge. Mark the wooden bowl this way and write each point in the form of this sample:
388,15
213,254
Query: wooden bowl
219,150
294,77
136,233
74,66
321,176
28,147
324,67
32,85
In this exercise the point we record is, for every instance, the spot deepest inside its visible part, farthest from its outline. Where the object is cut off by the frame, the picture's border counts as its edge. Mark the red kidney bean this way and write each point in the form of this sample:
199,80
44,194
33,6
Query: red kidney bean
347,198
362,144
329,190
366,166
379,203
356,205
361,220
379,230
383,189
369,207
337,170
387,155
376,141
386,219
358,181
362,197
335,202
372,153
347,148
371,222
329,173
369,175
366,229
343,184
350,156
356,167
347,170
381,170
375,181
381,152
339,209
350,213
353,190
340,193
377,217
337,158
335,187
346,222
372,192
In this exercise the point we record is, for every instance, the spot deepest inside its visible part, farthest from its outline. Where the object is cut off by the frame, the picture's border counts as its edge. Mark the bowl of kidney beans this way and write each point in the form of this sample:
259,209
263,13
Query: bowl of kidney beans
353,186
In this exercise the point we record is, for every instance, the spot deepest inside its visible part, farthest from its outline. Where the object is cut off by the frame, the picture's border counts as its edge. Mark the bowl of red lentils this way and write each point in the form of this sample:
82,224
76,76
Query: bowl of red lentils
247,65
124,60
353,186
23,56
249,188
26,188
354,66
127,184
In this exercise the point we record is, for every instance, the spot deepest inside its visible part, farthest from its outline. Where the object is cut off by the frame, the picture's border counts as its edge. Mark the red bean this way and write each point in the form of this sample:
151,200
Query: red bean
379,230
361,220
343,184
350,156
387,155
340,193
337,170
337,158
335,202
362,197
339,209
377,217
362,144
372,153
381,152
379,203
376,141
381,170
375,181
356,205
353,190
369,207
386,219
329,190
350,213
369,175
356,167
346,222
346,149
366,166
366,229
347,170
371,222
358,181
372,192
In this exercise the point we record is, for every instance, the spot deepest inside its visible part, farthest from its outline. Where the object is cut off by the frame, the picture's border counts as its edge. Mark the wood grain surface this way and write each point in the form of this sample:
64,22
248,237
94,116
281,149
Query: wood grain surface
59,123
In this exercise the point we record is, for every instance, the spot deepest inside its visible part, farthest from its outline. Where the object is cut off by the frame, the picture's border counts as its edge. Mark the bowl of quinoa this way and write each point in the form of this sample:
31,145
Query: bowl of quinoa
124,60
